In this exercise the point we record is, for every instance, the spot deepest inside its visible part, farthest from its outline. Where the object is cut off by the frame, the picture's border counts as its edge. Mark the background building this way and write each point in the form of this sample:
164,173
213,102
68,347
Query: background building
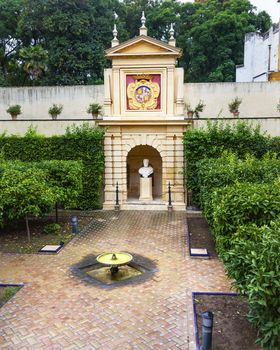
261,57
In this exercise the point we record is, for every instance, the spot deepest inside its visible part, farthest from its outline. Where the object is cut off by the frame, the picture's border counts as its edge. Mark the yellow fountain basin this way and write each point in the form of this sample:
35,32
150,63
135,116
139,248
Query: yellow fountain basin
111,259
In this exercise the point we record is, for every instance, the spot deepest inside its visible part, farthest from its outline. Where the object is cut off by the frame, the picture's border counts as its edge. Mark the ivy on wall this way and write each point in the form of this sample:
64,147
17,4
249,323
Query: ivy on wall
83,143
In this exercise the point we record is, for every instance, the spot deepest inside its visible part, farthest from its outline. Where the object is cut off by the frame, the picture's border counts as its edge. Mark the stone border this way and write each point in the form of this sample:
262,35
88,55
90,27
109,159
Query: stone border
196,331
146,266
2,284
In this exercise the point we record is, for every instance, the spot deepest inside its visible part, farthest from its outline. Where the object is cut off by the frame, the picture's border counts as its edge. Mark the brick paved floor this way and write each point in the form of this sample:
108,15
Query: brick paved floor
56,310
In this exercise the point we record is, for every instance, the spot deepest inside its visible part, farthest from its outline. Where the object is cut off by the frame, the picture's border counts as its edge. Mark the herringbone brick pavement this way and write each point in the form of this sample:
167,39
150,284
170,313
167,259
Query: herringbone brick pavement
56,310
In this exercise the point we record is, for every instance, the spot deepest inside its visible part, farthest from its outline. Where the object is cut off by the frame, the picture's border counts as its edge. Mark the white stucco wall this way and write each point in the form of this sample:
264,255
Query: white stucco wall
43,127
256,56
36,101
271,126
259,101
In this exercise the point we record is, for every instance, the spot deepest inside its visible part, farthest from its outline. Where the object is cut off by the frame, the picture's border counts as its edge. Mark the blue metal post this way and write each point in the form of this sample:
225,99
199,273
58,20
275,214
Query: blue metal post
74,224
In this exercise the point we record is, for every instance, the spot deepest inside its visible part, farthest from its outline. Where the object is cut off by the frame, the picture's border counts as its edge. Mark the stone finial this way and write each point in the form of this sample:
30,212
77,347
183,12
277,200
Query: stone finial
172,40
143,19
115,40
143,28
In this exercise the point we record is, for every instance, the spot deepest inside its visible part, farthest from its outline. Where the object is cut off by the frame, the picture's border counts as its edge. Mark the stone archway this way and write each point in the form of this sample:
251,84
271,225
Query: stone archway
134,161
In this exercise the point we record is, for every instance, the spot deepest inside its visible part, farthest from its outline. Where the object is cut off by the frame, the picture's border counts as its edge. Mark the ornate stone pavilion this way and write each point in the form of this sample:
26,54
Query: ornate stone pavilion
143,117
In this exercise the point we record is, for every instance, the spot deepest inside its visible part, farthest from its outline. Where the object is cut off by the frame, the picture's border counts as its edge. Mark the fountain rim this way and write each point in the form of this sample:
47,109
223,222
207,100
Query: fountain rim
112,263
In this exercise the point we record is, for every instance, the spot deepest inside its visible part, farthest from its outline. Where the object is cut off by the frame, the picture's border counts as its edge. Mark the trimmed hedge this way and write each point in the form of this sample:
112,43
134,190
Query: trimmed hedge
79,143
242,203
240,196
216,173
213,141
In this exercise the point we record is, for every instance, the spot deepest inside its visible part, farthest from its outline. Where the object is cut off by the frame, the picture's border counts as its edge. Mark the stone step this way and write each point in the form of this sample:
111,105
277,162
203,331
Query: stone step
143,206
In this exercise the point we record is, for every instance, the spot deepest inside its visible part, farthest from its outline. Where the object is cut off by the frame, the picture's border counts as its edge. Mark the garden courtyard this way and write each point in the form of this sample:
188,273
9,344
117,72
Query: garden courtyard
57,310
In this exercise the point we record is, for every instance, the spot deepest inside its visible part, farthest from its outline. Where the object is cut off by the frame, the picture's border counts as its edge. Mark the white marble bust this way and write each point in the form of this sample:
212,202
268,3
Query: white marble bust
146,170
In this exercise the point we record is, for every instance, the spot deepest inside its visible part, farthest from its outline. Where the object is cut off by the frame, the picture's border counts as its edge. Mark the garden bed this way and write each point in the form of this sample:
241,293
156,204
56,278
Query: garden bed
231,330
6,292
200,235
13,238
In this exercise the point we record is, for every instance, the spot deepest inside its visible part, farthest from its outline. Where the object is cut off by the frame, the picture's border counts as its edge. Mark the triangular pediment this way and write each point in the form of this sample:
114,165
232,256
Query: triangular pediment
143,45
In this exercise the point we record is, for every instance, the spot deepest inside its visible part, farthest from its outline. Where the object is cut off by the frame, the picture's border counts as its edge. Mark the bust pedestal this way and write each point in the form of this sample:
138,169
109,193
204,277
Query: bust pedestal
146,190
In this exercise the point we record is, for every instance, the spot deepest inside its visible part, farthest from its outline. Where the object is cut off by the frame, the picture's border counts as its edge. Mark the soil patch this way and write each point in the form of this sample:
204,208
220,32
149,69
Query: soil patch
13,238
201,236
231,330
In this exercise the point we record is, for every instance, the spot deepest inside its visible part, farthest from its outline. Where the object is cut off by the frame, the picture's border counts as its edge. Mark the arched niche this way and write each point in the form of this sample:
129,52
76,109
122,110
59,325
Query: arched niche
135,161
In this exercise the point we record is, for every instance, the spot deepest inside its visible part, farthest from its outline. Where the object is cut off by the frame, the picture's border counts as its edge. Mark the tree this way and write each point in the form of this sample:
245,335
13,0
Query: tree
74,32
25,193
34,60
65,180
212,37
34,188
10,42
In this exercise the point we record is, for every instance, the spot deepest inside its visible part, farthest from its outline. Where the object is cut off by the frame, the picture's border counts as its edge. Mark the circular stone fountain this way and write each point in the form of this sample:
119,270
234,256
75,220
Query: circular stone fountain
114,260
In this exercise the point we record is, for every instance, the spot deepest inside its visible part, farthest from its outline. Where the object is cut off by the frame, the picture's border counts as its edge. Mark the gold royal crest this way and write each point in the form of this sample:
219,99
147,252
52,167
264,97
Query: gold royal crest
143,93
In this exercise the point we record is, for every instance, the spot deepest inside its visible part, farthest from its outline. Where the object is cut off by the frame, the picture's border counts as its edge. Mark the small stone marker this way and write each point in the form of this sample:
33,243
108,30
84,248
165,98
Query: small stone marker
51,248
199,251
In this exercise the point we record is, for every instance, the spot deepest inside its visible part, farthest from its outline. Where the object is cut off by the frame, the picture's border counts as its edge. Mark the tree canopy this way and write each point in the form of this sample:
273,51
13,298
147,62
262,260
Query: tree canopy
62,42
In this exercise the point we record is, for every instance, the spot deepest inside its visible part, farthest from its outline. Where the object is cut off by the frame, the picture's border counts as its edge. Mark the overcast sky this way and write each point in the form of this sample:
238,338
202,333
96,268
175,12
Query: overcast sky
270,6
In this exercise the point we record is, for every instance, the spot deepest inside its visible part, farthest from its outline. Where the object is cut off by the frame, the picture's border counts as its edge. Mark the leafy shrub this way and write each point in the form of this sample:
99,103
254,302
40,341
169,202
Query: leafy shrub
14,110
241,204
196,110
216,173
55,109
218,137
254,265
234,105
94,108
52,229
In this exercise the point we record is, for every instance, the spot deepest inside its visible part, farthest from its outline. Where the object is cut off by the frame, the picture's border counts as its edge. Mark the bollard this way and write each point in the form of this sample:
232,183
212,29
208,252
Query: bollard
169,197
74,224
117,205
207,327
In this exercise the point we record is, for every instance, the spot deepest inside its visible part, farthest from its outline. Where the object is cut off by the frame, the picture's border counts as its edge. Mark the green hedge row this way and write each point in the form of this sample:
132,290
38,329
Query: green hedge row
218,137
216,173
79,143
245,220
242,203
